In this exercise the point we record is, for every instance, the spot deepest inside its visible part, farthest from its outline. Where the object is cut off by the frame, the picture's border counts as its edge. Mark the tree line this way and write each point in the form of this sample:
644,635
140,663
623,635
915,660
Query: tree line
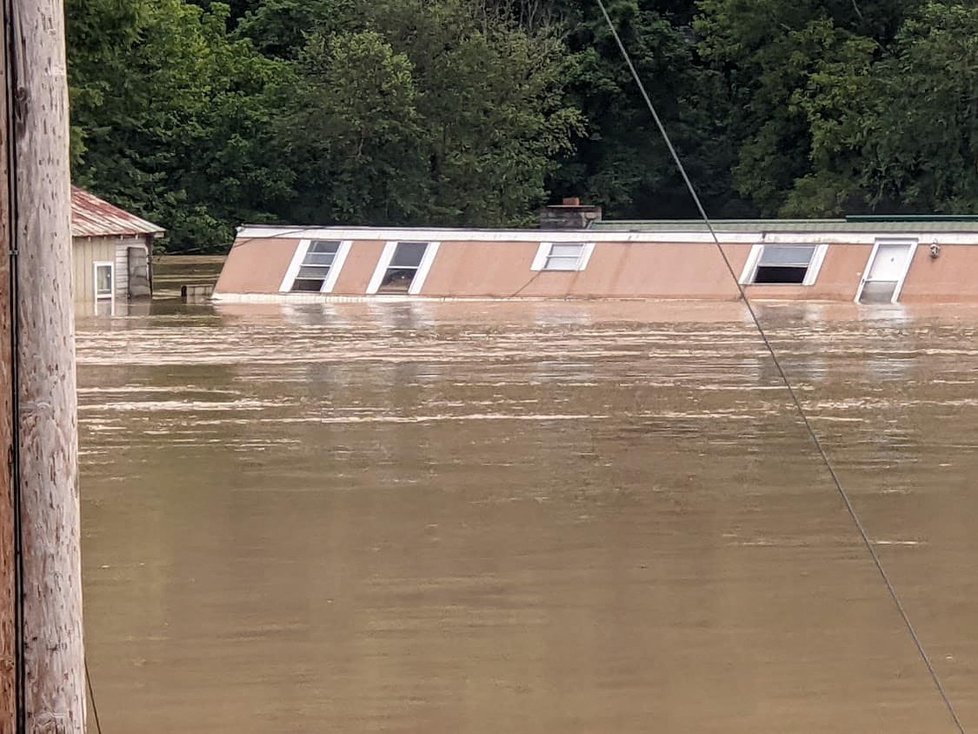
205,115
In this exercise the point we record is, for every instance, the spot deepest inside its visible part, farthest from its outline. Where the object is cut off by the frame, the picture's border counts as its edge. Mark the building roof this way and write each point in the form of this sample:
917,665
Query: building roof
875,225
95,217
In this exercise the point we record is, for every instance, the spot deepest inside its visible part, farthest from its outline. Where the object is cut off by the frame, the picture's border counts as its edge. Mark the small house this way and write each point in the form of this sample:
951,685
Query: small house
576,254
112,251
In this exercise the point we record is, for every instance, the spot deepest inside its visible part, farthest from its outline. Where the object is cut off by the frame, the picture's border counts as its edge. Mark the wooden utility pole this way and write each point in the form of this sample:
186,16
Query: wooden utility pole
8,616
37,383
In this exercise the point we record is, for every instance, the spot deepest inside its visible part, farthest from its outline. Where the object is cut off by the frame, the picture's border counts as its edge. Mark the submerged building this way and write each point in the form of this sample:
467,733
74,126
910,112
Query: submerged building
112,251
576,255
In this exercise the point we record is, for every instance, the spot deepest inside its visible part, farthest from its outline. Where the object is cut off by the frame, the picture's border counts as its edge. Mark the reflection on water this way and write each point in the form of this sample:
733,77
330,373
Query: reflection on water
526,517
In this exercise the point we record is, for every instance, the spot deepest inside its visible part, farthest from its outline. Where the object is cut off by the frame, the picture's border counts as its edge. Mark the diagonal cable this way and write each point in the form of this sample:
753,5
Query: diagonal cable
864,535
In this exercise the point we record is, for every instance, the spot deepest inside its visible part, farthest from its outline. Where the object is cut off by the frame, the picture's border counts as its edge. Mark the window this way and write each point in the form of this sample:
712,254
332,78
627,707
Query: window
784,264
564,257
568,256
403,268
315,267
104,277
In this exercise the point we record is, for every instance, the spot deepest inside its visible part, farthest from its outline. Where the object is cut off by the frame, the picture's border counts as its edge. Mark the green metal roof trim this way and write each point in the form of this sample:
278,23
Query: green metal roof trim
854,225
912,218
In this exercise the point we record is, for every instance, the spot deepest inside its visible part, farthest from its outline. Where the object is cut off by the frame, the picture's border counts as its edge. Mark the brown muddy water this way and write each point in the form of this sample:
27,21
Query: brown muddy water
526,517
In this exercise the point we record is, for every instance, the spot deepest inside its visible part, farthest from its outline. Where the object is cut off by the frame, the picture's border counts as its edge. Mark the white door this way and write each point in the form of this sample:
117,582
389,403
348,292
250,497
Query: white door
885,272
890,262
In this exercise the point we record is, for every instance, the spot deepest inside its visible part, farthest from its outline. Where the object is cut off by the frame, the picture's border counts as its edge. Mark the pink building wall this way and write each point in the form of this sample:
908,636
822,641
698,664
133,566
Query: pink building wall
359,267
932,280
679,270
256,266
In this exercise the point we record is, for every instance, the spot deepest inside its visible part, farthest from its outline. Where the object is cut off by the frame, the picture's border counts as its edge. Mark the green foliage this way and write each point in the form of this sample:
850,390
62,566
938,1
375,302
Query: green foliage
203,115
169,117
356,136
492,105
924,153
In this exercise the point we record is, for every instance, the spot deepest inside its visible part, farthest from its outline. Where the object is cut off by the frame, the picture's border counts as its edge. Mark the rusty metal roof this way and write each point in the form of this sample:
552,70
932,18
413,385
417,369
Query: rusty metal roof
94,217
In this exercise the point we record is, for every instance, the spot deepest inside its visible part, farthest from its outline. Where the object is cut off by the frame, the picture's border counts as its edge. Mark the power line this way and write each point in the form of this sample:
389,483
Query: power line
91,698
787,383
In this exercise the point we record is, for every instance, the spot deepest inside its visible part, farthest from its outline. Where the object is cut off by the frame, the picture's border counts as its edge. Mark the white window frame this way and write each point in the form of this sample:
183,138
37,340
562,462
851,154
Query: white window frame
754,259
103,264
543,253
912,244
420,275
342,252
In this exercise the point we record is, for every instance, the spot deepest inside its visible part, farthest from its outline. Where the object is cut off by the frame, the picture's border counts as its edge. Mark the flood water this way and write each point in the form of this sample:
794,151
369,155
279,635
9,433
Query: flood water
526,517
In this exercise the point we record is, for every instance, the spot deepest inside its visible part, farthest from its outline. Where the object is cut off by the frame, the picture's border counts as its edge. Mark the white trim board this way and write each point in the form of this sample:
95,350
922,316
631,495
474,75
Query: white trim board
382,264
339,260
293,270
540,258
427,260
589,235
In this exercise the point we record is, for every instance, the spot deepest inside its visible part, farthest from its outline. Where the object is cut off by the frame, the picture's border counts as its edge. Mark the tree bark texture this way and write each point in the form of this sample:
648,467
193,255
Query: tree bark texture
55,690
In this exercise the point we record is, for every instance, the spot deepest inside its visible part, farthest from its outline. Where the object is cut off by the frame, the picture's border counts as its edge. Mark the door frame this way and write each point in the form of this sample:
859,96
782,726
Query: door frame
912,244
149,274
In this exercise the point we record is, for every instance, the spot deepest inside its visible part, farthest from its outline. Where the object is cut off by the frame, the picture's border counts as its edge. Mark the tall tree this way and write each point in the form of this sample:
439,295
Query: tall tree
493,100
356,134
169,119
622,162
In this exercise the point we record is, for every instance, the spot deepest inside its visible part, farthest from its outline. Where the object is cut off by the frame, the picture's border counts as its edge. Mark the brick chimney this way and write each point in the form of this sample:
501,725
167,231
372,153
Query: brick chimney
569,214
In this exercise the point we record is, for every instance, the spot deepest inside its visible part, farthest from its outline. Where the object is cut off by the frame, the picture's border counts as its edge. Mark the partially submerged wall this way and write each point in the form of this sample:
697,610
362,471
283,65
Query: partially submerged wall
952,276
498,264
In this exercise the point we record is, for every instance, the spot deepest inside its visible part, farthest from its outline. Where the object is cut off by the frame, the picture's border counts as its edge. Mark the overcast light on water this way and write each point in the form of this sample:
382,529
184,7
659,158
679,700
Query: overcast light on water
526,517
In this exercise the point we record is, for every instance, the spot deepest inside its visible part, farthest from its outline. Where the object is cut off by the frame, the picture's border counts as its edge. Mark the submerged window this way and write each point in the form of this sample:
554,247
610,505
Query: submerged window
104,273
784,264
564,257
403,267
315,266
567,256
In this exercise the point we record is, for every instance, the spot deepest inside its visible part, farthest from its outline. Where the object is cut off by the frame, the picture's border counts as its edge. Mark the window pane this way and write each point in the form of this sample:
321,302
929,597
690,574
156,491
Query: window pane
561,263
313,271
103,280
783,274
795,255
323,246
566,250
397,280
408,254
319,258
306,285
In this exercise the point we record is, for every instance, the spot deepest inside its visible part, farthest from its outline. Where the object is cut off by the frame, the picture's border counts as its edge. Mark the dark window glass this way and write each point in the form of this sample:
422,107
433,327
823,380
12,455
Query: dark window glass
780,274
408,254
397,280
321,246
307,285
784,264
